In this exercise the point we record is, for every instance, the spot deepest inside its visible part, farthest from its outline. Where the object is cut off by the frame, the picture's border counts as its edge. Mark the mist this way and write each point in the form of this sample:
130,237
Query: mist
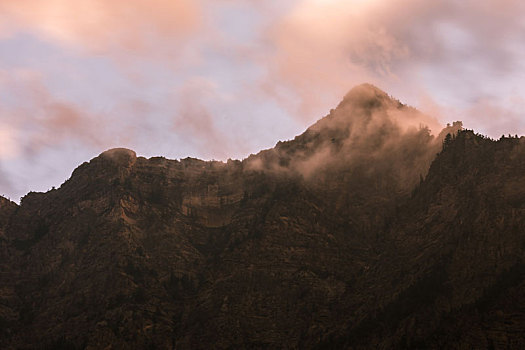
370,137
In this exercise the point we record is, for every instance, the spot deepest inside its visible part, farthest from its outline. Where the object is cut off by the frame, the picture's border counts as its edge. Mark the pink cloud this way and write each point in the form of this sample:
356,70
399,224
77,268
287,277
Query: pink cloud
194,122
302,56
497,118
98,24
322,48
9,147
40,119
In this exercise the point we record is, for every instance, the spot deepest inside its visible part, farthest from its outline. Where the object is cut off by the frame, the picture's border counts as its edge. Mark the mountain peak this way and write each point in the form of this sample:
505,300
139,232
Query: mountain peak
366,91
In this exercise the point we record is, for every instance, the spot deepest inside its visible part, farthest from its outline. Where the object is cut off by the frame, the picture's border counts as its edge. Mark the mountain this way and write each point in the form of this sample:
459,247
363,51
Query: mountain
366,231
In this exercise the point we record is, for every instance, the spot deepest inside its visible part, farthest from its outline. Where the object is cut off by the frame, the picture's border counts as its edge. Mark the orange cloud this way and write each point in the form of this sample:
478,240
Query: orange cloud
321,48
100,24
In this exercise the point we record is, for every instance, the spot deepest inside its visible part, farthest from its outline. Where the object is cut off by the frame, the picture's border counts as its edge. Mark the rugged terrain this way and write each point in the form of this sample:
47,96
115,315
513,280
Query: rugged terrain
364,232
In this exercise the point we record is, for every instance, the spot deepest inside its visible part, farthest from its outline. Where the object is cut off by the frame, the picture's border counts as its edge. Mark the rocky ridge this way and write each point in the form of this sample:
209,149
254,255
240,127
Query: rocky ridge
352,235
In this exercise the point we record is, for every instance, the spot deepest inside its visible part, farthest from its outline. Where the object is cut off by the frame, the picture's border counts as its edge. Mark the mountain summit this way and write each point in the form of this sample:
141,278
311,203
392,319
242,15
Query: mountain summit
366,231
365,94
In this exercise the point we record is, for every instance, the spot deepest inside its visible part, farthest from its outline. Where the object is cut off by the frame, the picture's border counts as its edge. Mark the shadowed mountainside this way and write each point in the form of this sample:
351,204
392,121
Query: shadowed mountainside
352,235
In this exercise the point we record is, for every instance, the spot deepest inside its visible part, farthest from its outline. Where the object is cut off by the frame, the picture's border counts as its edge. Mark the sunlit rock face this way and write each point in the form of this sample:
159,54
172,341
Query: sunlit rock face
368,230
121,156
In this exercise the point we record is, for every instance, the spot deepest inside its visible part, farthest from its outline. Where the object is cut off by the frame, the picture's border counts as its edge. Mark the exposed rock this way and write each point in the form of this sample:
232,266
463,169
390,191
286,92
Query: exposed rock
121,156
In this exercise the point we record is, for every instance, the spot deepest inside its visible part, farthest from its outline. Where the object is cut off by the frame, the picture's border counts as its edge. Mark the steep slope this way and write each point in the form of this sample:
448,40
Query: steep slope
451,272
474,202
336,239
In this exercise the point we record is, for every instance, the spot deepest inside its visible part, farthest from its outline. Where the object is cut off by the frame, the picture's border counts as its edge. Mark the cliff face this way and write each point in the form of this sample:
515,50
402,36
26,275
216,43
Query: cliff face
352,235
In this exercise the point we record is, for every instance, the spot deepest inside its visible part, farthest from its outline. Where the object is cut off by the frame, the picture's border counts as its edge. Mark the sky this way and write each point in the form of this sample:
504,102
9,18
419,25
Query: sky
219,79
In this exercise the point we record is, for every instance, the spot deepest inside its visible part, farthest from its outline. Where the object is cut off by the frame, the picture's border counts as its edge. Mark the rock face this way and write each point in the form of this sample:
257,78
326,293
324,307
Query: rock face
353,235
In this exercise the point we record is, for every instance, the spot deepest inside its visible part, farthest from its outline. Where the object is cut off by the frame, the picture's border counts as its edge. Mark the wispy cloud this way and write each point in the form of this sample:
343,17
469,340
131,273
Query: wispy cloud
194,122
33,118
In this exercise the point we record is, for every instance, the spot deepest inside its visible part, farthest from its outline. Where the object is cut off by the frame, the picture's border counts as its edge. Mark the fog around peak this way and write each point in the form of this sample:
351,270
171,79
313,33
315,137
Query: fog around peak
369,134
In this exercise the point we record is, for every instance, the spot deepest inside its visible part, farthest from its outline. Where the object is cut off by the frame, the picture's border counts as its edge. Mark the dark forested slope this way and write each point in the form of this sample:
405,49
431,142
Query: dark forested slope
352,235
